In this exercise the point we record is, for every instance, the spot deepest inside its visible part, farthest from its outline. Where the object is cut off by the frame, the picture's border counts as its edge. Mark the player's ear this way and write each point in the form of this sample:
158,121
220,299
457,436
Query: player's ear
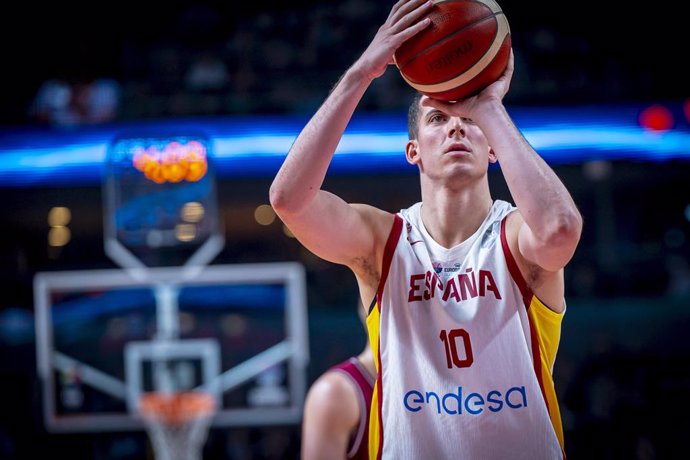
492,156
412,152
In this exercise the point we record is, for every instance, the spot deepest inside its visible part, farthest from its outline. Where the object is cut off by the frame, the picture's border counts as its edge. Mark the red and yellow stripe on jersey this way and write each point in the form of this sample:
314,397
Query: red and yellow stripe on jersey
545,334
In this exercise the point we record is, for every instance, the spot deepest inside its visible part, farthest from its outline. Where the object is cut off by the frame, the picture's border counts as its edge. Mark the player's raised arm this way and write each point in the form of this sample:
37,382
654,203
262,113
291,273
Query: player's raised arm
323,222
553,223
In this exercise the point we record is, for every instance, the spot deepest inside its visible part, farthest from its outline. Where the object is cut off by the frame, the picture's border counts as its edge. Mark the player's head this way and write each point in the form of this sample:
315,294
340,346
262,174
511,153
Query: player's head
433,132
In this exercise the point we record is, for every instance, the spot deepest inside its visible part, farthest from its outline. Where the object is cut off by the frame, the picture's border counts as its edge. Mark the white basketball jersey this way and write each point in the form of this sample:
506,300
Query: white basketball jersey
464,350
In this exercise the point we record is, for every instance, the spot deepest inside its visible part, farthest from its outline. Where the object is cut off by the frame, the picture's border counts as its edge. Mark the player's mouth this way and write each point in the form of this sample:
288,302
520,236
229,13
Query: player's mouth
457,147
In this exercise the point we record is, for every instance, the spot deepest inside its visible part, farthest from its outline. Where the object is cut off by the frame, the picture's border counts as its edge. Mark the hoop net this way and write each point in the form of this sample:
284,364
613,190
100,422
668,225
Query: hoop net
177,423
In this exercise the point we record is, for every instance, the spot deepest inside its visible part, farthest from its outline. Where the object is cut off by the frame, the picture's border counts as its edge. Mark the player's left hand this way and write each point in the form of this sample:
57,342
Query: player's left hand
472,106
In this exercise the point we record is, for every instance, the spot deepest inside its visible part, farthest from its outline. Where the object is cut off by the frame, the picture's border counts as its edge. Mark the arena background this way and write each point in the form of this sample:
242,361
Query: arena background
623,371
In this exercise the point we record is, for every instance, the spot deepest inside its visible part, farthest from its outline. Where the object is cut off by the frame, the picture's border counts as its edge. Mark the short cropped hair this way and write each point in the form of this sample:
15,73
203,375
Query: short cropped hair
413,114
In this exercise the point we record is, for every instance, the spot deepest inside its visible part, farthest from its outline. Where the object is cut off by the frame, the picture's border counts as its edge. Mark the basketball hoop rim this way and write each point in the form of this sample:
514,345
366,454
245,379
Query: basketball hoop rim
176,408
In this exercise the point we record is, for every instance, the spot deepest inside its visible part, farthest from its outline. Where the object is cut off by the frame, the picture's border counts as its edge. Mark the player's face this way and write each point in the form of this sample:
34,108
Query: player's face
446,143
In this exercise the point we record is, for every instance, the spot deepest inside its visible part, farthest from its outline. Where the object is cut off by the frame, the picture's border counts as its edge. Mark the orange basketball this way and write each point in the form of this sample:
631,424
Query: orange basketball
464,49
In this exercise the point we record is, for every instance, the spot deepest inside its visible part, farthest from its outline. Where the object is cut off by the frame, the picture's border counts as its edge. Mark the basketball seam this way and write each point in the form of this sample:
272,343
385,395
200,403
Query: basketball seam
446,38
491,4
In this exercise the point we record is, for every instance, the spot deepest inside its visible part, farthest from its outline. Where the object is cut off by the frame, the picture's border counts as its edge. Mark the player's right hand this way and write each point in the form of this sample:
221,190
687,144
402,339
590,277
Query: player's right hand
404,21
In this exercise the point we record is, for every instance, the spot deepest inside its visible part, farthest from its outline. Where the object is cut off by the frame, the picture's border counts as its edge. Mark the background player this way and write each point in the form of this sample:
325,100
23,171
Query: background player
337,408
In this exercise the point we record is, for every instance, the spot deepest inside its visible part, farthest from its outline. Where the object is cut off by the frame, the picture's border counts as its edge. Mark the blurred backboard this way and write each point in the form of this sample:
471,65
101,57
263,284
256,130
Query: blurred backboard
237,331
160,204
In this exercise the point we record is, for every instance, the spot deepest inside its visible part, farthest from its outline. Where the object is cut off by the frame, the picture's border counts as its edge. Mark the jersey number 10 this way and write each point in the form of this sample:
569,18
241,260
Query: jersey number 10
450,342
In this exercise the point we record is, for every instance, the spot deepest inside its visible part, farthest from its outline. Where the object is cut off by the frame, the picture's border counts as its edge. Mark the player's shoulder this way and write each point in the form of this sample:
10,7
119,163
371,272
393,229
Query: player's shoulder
513,220
373,213
334,395
332,385
378,219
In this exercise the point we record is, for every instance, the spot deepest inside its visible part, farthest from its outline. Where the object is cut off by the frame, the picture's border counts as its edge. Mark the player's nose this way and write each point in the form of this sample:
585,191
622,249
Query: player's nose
456,127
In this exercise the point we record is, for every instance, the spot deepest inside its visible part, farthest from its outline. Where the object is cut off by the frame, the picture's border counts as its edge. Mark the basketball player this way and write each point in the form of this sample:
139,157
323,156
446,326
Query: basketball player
468,290
336,412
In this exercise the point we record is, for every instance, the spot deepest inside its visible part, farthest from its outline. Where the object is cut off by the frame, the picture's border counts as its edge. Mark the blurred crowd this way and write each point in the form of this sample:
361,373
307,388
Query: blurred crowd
219,60
62,103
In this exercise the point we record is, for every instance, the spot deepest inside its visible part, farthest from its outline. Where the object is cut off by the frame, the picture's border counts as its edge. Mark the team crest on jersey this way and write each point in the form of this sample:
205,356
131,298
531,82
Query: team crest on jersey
446,270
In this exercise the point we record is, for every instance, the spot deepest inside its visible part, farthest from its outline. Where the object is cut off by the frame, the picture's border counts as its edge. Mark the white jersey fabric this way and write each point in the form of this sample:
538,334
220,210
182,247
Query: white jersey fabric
464,350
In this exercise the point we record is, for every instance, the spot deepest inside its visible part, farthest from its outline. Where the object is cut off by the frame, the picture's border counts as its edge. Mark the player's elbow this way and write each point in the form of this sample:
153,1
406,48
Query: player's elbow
281,200
564,230
277,197
555,244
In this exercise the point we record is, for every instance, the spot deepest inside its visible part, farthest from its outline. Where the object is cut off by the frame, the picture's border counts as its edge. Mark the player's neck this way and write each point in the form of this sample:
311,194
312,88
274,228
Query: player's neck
451,218
366,358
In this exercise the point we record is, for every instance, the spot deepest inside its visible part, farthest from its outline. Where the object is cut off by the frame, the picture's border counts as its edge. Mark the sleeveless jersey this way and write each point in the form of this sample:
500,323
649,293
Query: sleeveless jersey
464,350
358,447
